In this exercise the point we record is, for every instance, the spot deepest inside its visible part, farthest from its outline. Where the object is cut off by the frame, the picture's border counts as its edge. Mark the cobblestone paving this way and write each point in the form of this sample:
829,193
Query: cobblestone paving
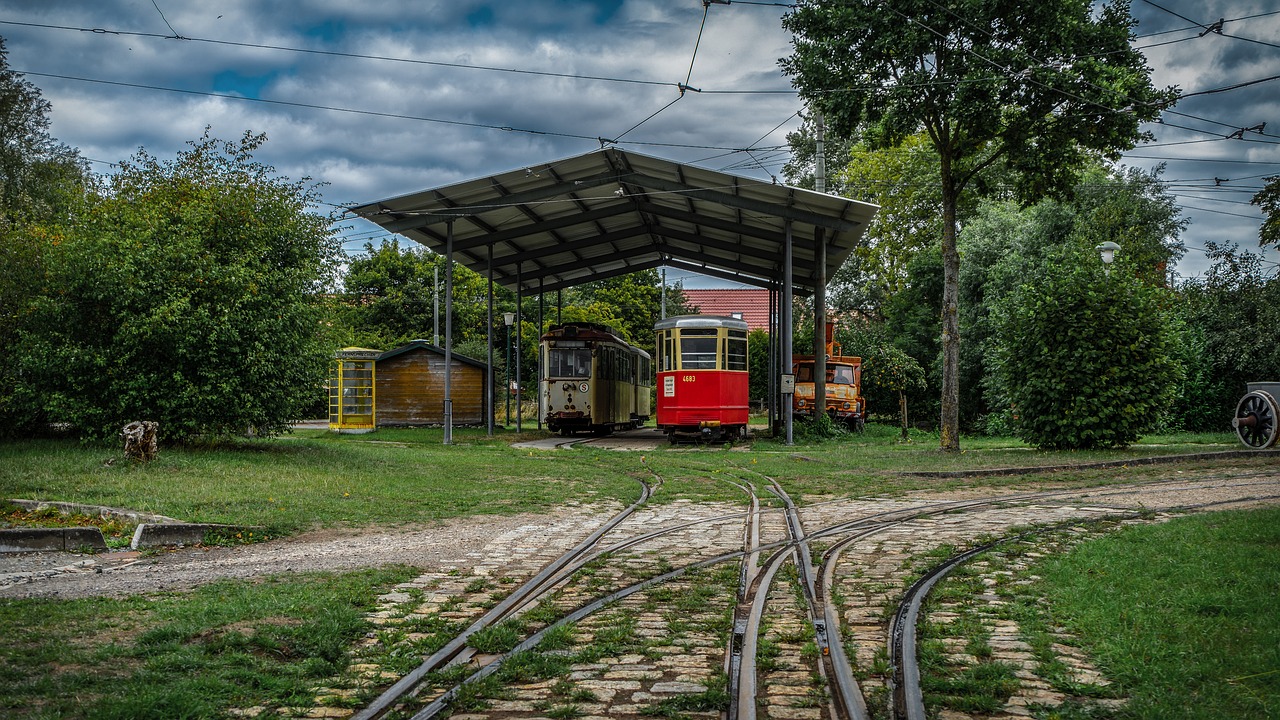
673,637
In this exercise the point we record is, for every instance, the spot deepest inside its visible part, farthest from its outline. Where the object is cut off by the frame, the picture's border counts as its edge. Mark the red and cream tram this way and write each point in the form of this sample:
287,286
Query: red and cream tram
592,380
702,376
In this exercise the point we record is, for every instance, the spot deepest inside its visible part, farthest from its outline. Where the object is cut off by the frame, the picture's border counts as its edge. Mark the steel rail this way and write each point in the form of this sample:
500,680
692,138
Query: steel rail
573,560
400,688
746,629
907,697
532,641
837,677
748,571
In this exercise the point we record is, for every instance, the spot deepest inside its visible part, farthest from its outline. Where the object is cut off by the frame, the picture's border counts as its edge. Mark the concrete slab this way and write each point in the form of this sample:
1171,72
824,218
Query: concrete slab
52,539
150,535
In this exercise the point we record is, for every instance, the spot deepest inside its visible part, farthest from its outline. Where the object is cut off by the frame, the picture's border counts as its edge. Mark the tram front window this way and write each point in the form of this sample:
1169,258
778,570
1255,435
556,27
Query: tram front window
697,353
569,363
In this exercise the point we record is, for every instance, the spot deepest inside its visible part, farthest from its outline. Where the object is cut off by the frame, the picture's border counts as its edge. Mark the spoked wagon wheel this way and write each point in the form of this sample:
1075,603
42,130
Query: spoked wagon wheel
1255,420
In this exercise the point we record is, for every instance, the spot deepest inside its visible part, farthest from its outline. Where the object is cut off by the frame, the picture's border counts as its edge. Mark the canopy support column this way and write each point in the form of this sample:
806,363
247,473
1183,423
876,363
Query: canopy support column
541,299
819,324
448,335
519,320
488,376
786,332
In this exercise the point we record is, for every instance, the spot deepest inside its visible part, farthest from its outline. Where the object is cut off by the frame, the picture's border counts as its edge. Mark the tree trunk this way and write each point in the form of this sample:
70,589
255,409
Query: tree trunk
902,407
950,314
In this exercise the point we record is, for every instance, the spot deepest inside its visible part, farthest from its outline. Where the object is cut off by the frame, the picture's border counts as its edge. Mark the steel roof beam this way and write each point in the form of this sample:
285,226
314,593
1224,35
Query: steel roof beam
604,275
744,203
411,219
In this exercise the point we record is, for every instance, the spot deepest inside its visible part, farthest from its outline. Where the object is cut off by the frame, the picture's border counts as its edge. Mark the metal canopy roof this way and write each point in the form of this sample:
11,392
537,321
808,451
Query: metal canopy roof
610,212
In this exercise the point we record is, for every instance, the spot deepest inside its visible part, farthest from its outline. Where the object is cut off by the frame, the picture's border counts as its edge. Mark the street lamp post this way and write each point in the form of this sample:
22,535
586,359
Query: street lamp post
1108,251
508,319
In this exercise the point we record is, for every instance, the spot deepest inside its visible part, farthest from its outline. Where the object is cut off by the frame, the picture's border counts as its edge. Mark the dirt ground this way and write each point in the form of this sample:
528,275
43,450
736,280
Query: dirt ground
458,542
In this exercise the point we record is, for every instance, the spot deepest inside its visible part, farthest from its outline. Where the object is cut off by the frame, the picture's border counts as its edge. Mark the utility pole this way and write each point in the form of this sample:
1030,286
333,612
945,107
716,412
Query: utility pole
662,314
820,287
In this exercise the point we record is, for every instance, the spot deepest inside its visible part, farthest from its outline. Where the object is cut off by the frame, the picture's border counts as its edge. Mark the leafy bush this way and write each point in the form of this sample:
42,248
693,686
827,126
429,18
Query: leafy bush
187,293
1084,358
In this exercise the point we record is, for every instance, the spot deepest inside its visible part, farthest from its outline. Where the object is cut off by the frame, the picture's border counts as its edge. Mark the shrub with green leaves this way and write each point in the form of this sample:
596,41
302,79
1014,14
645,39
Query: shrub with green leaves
1084,357
186,293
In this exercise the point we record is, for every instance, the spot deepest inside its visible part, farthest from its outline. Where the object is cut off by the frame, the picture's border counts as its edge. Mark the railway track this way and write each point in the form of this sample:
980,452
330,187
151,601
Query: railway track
758,554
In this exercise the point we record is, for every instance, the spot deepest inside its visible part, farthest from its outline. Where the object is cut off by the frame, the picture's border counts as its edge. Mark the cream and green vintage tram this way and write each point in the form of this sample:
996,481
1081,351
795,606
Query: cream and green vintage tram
592,380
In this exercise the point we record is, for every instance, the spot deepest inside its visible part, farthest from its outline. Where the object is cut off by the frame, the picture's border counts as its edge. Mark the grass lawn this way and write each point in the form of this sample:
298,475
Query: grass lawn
192,655
399,476
269,642
1184,616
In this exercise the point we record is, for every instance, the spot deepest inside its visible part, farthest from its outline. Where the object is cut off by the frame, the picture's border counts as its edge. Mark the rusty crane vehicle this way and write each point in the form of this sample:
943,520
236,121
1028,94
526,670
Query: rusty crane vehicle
844,402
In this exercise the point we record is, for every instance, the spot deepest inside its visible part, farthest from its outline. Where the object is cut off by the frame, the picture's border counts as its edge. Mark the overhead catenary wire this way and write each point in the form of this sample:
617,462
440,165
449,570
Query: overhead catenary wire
338,53
373,113
1215,28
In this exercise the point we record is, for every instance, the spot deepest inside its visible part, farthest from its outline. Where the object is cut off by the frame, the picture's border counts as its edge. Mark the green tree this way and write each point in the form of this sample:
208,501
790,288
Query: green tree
1229,335
1004,243
903,182
393,292
1269,200
1085,357
758,364
889,377
1037,86
635,300
36,171
43,183
187,294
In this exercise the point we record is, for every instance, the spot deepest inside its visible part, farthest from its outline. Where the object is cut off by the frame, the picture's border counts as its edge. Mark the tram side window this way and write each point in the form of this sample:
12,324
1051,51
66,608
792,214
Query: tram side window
569,363
736,351
698,349
668,354
804,373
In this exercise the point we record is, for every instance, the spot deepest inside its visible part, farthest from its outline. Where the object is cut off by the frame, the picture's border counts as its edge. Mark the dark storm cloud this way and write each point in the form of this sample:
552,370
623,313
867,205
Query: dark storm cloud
388,146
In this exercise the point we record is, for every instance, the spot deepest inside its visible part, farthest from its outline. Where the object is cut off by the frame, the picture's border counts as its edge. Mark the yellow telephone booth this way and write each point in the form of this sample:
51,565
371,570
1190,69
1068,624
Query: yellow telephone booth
352,405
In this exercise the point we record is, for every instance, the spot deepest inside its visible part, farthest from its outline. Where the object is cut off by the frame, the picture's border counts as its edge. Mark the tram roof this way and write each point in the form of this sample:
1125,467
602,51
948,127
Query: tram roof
697,321
610,212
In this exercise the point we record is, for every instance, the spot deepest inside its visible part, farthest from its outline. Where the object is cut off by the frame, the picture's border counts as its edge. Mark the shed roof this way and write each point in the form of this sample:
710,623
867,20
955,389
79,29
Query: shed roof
610,212
425,346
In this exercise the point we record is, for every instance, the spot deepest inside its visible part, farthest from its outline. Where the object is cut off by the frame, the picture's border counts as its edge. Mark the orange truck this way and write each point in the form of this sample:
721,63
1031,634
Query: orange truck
844,402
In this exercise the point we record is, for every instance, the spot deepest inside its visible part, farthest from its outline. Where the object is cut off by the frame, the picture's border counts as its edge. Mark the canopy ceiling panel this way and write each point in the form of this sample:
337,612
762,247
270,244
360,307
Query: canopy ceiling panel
610,212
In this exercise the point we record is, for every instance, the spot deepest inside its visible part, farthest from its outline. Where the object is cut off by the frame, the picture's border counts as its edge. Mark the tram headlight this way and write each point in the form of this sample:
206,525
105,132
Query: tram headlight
846,406
583,387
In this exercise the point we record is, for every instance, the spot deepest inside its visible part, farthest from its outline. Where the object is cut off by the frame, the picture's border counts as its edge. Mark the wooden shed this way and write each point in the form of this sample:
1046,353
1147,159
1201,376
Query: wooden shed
410,387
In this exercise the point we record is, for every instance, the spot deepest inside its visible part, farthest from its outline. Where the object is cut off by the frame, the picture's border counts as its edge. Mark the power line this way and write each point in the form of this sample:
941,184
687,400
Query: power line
336,53
1191,159
373,113
1198,25
1215,28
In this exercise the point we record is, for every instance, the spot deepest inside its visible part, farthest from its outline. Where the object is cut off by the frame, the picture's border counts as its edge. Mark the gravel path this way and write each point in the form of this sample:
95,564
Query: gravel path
459,542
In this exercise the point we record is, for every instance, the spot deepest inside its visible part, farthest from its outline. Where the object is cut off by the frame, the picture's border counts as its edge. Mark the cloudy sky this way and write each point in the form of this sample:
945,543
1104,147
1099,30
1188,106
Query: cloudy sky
380,99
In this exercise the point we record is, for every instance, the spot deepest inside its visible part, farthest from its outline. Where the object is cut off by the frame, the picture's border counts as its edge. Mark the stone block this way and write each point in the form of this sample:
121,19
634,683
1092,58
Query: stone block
51,539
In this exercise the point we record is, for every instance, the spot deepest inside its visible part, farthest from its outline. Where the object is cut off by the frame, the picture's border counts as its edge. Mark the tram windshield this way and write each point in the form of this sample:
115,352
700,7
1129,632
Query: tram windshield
569,363
697,353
